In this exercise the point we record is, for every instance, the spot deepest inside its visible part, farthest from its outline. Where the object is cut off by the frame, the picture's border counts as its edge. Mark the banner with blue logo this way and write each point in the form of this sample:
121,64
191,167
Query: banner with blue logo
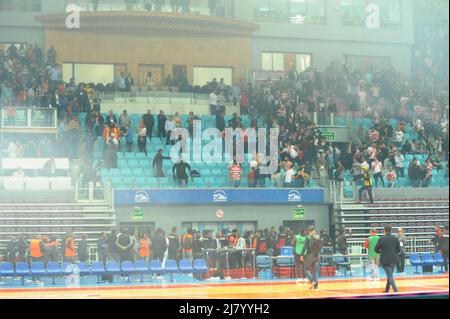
214,196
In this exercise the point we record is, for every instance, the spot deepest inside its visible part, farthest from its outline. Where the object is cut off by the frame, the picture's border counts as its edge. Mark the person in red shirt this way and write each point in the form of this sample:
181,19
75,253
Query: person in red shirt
235,174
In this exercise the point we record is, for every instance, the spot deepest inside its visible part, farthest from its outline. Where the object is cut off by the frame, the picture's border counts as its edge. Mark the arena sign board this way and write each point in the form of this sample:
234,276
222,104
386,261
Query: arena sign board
218,197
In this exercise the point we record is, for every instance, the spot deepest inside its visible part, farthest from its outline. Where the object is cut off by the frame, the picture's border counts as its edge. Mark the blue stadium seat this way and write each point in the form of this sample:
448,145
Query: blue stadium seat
185,266
22,270
112,268
38,269
130,155
171,268
156,267
53,270
133,163
414,260
122,163
200,266
427,259
141,267
84,269
67,268
125,171
98,269
127,268
137,171
7,269
114,172
141,156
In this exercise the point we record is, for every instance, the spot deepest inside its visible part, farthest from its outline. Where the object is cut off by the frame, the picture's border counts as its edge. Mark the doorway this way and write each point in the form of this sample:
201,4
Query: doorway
295,225
179,73
157,75
141,228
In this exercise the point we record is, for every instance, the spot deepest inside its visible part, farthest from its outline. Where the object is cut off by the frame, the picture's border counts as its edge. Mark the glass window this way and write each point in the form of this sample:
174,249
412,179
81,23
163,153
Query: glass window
203,75
273,61
303,62
353,12
87,73
295,11
23,5
284,61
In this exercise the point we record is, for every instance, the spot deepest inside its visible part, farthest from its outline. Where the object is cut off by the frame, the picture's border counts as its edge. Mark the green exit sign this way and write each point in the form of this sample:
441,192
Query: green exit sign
137,214
298,213
328,135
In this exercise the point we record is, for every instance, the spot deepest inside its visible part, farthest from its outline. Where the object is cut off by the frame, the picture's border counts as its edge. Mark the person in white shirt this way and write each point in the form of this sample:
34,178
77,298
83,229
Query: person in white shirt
377,170
289,177
238,254
399,164
12,150
213,102
397,137
19,173
170,126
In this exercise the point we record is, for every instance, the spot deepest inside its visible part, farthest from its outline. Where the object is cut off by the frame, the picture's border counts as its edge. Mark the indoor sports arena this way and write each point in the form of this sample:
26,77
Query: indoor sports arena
224,149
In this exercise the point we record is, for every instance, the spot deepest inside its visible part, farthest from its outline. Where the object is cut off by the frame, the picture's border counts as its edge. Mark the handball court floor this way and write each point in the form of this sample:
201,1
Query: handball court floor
419,286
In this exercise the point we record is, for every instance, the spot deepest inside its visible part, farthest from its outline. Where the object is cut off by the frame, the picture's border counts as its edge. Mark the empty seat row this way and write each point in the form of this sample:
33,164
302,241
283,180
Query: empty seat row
128,268
426,259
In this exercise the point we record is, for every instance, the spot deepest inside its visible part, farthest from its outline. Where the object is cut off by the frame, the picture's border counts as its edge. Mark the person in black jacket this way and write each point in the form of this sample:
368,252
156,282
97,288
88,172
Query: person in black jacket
174,244
179,172
415,173
162,125
389,248
149,123
124,245
159,245
158,163
22,247
83,254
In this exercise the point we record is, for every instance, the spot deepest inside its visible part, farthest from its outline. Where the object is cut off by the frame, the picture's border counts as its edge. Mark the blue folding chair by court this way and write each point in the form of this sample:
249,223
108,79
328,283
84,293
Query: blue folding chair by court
156,268
53,270
127,269
171,268
141,267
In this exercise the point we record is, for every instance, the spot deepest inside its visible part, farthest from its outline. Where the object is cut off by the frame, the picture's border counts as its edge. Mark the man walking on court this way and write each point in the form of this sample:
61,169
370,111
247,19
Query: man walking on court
310,254
374,257
389,248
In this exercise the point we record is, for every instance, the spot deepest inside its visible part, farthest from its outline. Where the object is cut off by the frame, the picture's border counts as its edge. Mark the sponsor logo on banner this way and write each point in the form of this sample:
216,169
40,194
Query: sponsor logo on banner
294,196
141,197
220,196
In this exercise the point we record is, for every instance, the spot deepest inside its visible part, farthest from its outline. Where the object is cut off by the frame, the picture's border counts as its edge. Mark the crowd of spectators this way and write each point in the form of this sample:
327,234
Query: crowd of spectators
129,245
393,105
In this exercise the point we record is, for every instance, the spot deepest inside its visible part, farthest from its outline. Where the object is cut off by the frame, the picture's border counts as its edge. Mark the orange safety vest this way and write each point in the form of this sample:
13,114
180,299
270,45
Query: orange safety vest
144,248
70,251
254,242
35,248
187,246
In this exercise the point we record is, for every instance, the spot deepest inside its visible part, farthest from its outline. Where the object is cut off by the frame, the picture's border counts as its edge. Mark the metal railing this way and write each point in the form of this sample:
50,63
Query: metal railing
162,97
196,7
29,117
414,245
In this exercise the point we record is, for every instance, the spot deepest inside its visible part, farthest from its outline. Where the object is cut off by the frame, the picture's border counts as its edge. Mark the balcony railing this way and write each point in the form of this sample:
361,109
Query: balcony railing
29,117
161,97
195,7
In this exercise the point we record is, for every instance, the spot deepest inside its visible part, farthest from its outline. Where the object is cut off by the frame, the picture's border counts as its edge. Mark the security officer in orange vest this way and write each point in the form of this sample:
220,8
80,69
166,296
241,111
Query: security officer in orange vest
69,248
186,244
144,248
37,249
